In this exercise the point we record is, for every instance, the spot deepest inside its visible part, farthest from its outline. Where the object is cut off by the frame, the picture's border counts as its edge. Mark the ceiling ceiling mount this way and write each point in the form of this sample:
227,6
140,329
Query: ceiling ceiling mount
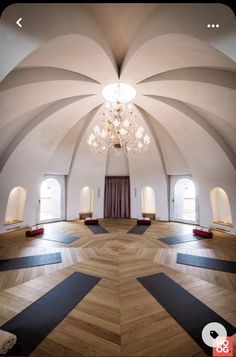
121,92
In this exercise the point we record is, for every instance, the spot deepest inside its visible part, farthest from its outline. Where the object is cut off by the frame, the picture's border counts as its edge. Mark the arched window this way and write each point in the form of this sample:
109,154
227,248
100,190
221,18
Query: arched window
185,200
50,200
15,205
220,206
148,200
86,200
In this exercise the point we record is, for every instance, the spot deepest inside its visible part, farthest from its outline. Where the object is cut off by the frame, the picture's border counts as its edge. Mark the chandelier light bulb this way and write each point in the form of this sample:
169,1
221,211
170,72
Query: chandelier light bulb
123,131
116,123
126,123
96,129
103,134
138,135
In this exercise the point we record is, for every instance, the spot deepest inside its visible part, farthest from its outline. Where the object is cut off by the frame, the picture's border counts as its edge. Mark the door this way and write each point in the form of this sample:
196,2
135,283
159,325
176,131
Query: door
52,199
183,200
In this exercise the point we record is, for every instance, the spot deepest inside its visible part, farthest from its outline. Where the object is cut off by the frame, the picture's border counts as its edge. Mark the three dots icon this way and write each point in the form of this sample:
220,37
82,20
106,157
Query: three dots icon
213,25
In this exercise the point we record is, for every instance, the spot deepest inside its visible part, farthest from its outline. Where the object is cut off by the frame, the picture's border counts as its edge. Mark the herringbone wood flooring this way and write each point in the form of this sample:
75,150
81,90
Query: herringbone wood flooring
118,316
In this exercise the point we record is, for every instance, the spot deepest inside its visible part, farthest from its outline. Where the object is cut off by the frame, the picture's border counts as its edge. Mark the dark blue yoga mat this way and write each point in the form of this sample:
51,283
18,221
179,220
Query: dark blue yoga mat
181,239
207,263
30,261
190,313
97,229
139,229
35,322
60,239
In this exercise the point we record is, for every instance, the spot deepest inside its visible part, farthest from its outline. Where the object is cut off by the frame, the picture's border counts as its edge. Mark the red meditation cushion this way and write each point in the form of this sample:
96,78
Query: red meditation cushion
201,233
34,232
144,222
90,221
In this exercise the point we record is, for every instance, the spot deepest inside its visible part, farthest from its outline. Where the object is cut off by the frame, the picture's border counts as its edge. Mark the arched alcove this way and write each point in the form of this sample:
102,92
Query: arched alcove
86,200
185,200
221,211
50,200
148,200
15,205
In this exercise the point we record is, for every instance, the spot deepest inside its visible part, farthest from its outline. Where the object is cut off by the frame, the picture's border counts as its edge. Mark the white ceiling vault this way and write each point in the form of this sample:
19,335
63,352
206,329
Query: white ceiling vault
54,68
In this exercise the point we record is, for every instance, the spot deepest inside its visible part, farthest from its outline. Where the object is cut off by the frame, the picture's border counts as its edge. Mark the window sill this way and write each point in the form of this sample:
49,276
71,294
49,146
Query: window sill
8,223
224,223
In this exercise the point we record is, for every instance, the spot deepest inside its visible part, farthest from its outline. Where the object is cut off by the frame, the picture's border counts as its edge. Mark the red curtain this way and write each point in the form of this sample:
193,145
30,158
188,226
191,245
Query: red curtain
117,197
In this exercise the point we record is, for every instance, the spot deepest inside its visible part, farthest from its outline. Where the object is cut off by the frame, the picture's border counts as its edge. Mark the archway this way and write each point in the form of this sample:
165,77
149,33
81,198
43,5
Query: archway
185,201
148,201
50,200
15,205
221,211
86,200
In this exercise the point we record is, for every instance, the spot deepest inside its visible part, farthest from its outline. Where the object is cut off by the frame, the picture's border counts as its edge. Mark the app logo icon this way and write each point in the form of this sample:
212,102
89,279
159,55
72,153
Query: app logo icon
215,335
223,346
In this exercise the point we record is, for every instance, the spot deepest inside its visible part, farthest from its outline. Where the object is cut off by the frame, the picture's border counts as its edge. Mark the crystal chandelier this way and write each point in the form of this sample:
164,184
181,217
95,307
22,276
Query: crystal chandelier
119,131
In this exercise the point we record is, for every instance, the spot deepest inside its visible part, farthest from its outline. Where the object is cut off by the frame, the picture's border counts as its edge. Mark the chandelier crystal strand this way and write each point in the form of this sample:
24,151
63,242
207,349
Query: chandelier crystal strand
119,131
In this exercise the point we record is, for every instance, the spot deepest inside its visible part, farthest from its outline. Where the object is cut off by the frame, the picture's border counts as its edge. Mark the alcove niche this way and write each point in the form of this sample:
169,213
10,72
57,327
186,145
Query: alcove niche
15,205
86,200
221,211
148,201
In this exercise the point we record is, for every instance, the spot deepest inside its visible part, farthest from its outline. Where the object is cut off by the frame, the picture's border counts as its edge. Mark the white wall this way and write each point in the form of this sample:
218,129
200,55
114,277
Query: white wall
146,169
175,164
88,169
117,165
29,162
208,163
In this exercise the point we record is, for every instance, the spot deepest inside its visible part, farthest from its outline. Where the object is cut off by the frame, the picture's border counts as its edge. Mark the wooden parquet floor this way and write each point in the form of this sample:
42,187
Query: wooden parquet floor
118,317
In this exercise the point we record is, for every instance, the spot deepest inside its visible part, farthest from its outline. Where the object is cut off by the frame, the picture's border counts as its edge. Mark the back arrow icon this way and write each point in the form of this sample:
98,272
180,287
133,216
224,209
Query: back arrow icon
18,22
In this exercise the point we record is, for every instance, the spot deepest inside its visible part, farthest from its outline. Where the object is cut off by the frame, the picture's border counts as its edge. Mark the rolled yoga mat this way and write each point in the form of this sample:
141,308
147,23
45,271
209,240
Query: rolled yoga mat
207,263
97,229
60,239
181,239
35,322
139,229
30,261
186,309
7,341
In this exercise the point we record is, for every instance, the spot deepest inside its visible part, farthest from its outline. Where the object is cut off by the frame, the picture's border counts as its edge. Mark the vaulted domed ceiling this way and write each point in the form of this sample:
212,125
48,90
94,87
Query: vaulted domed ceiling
54,68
